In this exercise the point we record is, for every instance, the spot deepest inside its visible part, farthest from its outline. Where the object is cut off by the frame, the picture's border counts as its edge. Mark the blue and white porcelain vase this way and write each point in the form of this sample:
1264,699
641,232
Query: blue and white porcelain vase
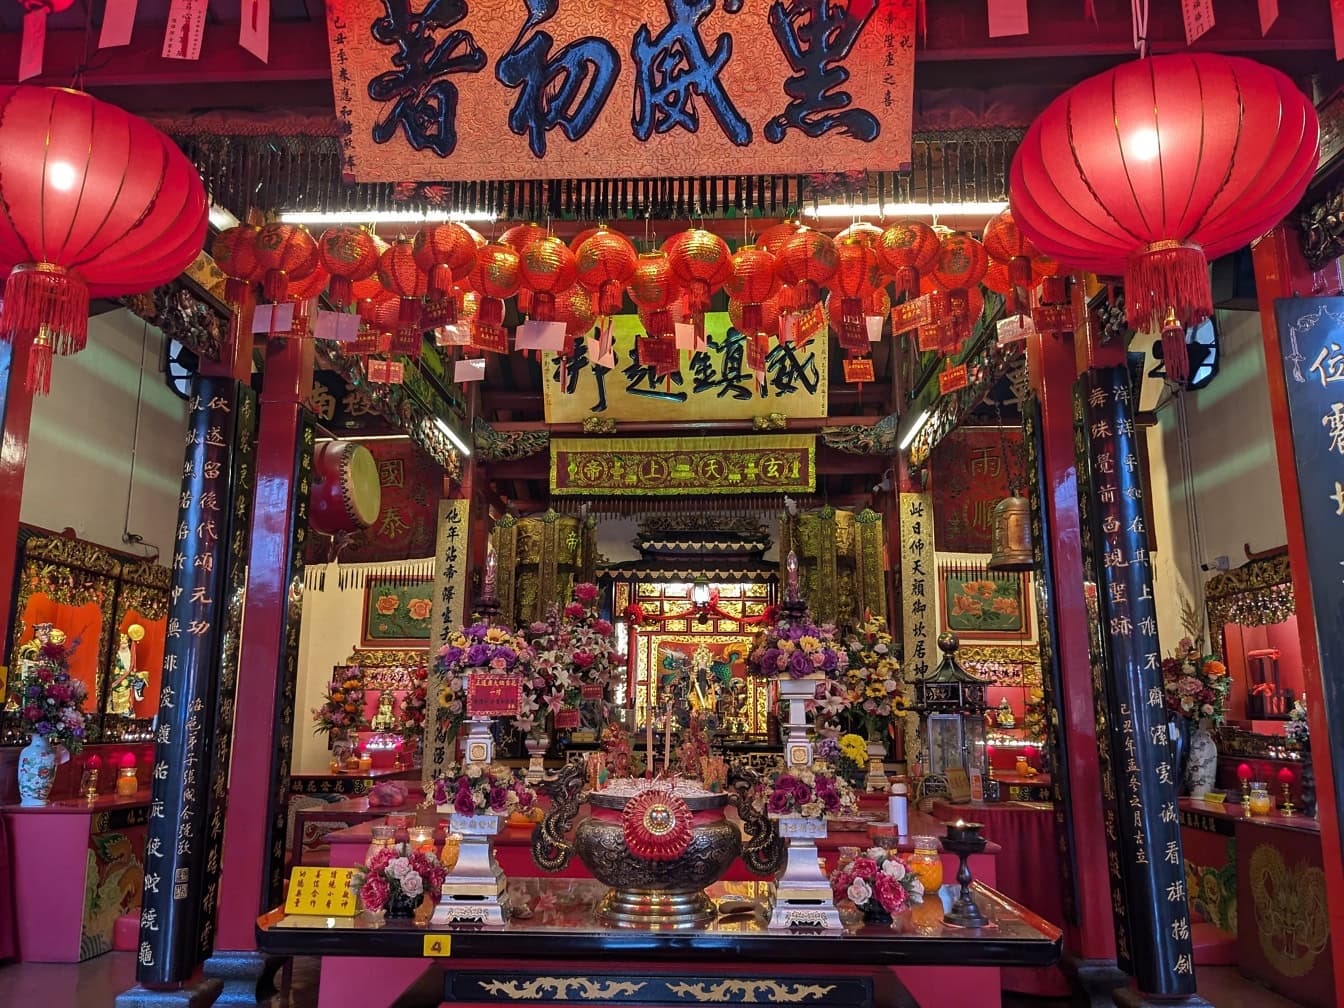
37,770
1202,771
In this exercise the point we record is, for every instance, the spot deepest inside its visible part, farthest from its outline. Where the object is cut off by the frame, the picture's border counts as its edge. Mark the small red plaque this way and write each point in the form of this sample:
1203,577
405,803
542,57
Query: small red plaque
858,370
494,694
567,717
952,379
590,692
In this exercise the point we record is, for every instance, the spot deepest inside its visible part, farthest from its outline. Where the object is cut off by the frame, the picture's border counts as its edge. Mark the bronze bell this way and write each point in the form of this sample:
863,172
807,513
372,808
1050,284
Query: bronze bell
1012,548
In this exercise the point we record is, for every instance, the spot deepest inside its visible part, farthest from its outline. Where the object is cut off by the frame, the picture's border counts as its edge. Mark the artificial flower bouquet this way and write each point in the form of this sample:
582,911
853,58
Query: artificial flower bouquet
1196,686
397,879
51,701
794,648
872,683
1298,730
809,794
342,710
574,657
878,882
414,703
476,648
483,790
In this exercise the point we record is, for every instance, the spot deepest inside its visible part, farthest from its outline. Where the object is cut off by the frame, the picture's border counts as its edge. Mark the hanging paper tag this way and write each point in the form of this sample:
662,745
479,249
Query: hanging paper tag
1052,318
34,43
469,370
273,318
338,326
1337,23
596,357
605,342
811,323
787,328
874,324
590,692
921,311
1014,328
493,339
254,28
453,335
182,34
953,378
386,372
684,335
931,337
859,370
534,335
438,313
1269,13
1198,17
1007,17
118,21
408,342
661,354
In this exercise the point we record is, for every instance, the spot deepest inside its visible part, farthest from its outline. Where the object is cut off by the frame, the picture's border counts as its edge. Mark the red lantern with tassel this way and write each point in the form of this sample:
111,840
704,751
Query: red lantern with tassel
518,238
876,303
604,264
97,201
447,255
964,308
548,270
906,251
497,276
701,262
856,277
653,289
806,262
754,281
367,292
1157,166
234,253
768,319
402,275
772,239
1005,243
961,265
348,252
869,234
302,293
286,252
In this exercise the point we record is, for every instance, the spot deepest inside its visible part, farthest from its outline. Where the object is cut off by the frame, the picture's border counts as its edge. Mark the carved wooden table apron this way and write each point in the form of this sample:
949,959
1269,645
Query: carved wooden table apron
560,953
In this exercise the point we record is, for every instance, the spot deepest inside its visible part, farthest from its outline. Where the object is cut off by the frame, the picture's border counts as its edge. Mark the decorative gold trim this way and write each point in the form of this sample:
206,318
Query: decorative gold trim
1258,593
147,575
750,991
583,988
73,553
380,658
151,603
1290,913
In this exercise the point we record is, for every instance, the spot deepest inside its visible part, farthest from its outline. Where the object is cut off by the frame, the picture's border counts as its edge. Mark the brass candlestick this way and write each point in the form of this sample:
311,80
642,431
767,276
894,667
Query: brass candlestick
1287,808
1246,799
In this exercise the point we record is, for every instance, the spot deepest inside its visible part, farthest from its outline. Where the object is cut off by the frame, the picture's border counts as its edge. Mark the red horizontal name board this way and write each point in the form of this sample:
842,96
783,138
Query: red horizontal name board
953,378
1053,318
919,312
590,692
566,718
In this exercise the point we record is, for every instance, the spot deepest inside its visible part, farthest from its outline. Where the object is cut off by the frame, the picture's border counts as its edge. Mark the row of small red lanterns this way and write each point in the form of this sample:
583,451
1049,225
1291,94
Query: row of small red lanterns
448,270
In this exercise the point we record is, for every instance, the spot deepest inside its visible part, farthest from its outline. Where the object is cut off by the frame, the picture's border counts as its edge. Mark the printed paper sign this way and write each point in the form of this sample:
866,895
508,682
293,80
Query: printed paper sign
952,379
469,370
494,694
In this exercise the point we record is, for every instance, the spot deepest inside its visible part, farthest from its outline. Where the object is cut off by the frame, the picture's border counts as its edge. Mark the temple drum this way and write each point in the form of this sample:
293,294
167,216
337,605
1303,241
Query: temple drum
346,494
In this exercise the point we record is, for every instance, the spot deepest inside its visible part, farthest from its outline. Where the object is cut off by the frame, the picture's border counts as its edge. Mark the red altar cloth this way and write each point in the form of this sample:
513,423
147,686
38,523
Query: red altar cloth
1027,871
8,948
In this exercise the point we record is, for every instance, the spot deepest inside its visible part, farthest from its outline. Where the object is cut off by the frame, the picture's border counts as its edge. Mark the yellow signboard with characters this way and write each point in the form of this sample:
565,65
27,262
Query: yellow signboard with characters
321,892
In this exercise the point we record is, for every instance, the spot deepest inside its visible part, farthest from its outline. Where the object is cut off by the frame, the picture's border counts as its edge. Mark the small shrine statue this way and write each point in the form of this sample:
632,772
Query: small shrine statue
127,684
384,720
1005,716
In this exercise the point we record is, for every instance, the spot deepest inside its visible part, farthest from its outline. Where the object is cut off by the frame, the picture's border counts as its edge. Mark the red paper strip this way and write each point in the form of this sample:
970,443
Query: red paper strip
953,378
1052,318
1007,17
34,42
494,339
931,337
1269,13
859,370
182,34
1198,18
912,314
254,28
118,22
590,692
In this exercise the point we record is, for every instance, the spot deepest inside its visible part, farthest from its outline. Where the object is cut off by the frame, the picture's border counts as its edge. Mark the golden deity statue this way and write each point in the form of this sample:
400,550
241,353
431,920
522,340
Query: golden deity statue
127,684
384,720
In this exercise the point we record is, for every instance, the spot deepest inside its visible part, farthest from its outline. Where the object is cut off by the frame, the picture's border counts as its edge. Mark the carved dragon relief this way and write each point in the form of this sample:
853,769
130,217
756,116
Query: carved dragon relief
497,446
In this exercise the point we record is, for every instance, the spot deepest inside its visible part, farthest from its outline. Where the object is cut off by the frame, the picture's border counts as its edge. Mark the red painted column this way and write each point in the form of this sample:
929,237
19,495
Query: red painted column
1053,371
1281,272
247,857
16,414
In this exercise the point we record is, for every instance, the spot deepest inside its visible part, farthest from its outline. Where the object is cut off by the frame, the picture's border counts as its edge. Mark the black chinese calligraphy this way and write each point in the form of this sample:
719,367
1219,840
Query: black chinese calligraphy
567,90
815,35
423,96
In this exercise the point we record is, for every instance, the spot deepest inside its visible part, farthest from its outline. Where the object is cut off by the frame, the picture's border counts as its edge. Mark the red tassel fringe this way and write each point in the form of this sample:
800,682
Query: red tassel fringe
42,297
39,368
907,281
1175,359
276,285
340,290
490,312
1019,271
1052,290
697,298
660,323
610,297
543,306
409,315
525,301
1166,277
751,317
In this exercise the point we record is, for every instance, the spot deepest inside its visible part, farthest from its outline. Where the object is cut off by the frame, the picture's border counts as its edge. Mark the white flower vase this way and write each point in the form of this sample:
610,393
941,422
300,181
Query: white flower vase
1202,769
474,891
37,770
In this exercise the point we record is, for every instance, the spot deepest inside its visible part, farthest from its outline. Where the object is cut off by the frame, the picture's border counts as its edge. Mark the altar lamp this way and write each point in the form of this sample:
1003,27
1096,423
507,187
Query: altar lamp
1286,782
1244,775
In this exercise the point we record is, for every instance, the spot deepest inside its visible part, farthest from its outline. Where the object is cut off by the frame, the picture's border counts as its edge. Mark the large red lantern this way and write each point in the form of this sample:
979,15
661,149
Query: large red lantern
348,252
907,250
754,281
701,262
402,275
605,261
1159,165
286,252
496,277
447,255
518,238
856,277
806,261
548,270
654,290
234,253
96,201
961,265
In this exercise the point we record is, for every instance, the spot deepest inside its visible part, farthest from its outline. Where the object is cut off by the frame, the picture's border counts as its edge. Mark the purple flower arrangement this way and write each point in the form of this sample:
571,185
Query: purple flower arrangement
51,701
479,647
795,648
811,794
483,790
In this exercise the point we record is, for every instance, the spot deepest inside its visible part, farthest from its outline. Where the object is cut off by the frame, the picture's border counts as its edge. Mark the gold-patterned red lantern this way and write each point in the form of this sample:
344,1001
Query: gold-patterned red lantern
605,262
285,252
497,276
754,281
577,241
856,277
906,251
548,270
302,293
768,319
363,294
518,238
961,264
806,262
348,252
964,308
772,239
402,275
654,290
447,255
869,234
877,303
234,252
1005,243
701,262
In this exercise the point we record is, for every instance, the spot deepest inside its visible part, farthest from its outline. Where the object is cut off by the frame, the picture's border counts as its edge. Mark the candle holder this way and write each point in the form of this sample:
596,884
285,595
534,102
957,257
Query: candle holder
89,784
1287,808
1246,799
963,840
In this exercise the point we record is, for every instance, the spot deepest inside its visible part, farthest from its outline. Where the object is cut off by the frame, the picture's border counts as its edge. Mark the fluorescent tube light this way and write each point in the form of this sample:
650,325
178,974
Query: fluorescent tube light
914,430
899,210
452,436
221,219
384,217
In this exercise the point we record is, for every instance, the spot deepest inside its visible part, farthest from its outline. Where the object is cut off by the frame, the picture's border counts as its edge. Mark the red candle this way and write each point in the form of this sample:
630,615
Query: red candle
94,762
1244,772
1285,776
127,759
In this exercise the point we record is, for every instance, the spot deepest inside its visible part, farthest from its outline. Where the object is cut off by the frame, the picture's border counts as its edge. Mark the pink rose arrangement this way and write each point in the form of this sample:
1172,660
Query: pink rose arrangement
399,878
51,701
415,701
575,657
1195,686
483,790
877,882
811,794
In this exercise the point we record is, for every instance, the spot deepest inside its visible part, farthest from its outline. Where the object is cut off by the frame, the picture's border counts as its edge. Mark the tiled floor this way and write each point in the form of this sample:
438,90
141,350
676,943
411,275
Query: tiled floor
96,983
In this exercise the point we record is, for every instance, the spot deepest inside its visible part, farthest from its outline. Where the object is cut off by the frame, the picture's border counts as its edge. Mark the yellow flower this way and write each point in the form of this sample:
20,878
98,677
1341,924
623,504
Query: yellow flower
446,696
854,748
876,690
458,639
786,646
495,634
809,644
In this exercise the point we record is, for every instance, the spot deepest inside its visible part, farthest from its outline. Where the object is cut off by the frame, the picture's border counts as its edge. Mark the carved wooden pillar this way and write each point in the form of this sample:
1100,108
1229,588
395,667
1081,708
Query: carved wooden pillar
16,414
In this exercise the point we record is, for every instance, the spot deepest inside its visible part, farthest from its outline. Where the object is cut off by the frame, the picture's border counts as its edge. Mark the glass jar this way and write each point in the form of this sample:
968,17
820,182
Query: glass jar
128,782
384,838
1261,802
452,846
927,863
421,839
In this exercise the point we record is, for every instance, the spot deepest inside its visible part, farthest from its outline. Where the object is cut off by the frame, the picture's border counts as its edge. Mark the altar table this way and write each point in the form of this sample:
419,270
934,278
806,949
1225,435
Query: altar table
561,953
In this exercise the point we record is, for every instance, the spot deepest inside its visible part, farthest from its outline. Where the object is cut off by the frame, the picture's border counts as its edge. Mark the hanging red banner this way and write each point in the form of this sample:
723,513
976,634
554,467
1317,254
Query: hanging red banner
1337,24
918,312
1052,318
582,90
953,378
859,370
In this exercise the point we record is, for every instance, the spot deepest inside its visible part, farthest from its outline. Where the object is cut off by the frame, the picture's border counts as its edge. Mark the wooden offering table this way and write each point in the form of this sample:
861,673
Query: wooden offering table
555,950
